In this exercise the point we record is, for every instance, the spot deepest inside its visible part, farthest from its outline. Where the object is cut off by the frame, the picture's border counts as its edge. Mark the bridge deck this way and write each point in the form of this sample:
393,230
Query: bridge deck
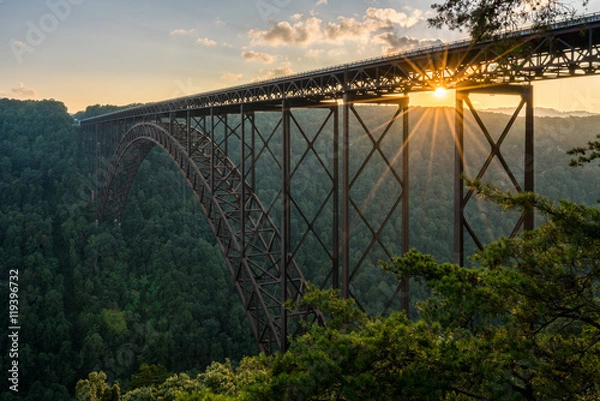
562,50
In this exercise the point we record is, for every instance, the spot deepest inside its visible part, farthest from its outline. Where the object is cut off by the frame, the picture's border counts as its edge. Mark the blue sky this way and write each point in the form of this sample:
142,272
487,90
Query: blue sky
86,52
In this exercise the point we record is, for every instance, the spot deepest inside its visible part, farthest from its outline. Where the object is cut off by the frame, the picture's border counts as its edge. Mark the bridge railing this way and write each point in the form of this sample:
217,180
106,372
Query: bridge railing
337,69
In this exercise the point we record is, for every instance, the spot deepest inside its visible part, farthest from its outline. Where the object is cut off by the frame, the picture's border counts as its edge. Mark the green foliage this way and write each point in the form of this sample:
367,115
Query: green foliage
103,297
219,378
96,110
523,324
483,19
219,382
169,390
205,395
149,375
155,291
529,313
94,388
114,321
585,154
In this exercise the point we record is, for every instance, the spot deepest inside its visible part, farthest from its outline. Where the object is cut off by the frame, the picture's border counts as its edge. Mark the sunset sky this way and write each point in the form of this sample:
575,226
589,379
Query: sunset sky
85,52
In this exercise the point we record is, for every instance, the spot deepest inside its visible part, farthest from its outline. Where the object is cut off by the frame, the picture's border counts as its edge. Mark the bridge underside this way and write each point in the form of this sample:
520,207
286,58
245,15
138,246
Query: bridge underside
300,182
309,190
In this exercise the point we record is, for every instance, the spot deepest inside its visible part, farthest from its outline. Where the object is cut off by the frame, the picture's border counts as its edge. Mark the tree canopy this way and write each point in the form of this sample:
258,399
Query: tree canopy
484,18
523,324
151,295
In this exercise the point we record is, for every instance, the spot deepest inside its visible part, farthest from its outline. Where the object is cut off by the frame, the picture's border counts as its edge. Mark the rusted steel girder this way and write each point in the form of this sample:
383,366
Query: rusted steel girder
249,239
524,96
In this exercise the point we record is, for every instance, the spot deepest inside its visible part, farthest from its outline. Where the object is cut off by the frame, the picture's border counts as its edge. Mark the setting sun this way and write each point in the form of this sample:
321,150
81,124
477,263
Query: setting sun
440,92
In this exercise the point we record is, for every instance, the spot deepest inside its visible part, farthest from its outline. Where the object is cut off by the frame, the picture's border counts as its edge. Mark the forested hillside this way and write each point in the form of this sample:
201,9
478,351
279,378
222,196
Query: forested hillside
153,290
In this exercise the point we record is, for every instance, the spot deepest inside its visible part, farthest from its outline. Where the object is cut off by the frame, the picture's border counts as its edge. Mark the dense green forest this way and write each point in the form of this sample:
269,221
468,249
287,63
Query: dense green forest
153,290
150,297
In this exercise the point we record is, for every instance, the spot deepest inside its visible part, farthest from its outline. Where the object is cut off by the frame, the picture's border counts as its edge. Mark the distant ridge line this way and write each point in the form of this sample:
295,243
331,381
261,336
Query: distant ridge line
544,112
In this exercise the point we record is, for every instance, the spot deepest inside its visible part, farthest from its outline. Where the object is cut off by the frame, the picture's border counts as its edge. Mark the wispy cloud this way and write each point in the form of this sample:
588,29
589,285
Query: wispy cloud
276,72
321,2
206,42
231,77
182,32
192,33
314,54
255,56
24,92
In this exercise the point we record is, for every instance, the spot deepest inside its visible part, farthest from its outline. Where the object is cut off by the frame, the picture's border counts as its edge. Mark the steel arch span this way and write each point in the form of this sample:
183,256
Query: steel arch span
227,157
246,234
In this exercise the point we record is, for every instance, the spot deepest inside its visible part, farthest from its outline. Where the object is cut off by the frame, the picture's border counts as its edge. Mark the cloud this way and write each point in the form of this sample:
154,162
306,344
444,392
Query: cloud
283,33
375,21
231,77
182,32
206,42
192,33
338,52
348,29
264,57
393,43
276,72
389,16
321,2
314,54
24,92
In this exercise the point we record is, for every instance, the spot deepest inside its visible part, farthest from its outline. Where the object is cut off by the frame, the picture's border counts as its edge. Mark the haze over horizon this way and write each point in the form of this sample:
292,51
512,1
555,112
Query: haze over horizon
85,52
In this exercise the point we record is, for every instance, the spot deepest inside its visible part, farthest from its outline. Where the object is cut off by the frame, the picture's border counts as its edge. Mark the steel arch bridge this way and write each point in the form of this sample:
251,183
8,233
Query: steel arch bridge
252,154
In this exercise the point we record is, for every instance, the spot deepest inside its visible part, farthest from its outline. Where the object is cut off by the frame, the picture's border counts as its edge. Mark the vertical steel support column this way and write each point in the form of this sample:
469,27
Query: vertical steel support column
252,173
462,97
212,150
459,166
172,121
529,152
405,296
225,120
335,273
96,194
285,220
346,197
188,132
243,181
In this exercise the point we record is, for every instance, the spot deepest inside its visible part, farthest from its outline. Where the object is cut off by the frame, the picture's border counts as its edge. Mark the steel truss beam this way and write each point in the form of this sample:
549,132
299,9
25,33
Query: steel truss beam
231,143
355,207
568,49
262,244
253,247
299,151
462,197
224,153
